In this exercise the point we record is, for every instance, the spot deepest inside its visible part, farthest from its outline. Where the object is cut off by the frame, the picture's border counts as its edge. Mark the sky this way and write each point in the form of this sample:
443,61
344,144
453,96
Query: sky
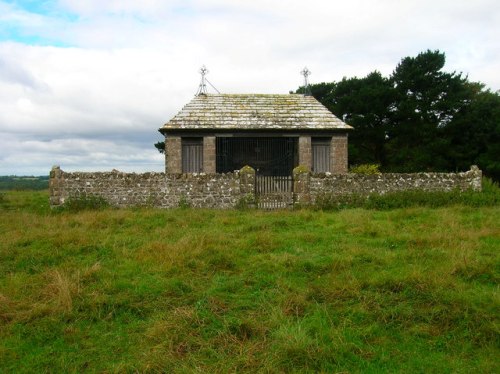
85,84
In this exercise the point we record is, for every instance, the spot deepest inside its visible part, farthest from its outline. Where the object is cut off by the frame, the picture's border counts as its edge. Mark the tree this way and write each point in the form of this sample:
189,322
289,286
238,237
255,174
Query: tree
427,100
421,118
366,104
474,132
160,146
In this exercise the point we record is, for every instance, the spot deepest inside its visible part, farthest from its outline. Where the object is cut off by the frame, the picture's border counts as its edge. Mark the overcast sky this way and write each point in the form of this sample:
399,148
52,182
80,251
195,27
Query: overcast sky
85,84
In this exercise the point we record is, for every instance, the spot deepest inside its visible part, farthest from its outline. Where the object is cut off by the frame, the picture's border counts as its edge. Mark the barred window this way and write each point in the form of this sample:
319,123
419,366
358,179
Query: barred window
320,154
192,155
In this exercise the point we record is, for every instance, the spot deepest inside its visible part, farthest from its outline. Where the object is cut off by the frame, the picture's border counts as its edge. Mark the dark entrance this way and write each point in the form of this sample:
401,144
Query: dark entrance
268,156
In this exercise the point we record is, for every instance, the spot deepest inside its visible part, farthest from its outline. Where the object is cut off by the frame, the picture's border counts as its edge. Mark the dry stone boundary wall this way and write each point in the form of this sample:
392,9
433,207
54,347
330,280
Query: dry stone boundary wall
225,191
343,184
149,189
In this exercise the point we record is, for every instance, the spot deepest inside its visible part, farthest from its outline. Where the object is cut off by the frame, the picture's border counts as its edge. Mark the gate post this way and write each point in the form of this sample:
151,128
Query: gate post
301,185
247,185
56,186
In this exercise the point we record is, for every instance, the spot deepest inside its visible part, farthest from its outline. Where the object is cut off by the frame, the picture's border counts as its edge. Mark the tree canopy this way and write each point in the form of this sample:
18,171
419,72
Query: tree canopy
420,118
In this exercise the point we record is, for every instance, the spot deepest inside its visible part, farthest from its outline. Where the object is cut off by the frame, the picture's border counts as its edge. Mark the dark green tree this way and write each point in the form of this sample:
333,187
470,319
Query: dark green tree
426,102
474,133
366,104
421,118
160,146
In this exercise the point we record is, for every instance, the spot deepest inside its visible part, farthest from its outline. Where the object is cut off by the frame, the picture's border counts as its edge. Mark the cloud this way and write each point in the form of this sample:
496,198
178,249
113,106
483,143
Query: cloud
90,82
11,72
76,154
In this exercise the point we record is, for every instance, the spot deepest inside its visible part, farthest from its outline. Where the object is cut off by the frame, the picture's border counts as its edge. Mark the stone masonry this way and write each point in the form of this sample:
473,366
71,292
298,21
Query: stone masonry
173,146
148,189
345,184
209,158
338,154
305,155
225,191
248,115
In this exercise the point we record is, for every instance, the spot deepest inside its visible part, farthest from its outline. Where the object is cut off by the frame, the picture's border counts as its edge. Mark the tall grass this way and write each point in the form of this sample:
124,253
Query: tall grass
402,290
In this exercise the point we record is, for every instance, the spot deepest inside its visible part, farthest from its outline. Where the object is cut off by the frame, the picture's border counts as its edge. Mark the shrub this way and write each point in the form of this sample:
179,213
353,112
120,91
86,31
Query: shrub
367,169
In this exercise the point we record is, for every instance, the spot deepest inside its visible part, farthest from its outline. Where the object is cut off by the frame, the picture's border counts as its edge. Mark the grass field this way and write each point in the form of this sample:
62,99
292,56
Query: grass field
400,290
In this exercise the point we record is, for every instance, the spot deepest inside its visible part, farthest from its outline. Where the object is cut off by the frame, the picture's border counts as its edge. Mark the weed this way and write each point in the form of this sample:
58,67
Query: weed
385,289
184,203
84,202
60,290
245,202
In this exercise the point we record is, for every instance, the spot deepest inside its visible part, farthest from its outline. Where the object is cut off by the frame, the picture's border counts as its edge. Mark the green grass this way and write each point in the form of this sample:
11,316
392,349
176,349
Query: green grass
399,290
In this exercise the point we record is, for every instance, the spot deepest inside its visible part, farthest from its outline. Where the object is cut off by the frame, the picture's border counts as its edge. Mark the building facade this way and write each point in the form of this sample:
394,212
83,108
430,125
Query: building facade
221,133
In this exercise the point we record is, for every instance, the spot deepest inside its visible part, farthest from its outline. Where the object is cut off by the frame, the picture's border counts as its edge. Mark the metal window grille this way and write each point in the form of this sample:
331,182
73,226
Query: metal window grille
192,155
268,156
320,154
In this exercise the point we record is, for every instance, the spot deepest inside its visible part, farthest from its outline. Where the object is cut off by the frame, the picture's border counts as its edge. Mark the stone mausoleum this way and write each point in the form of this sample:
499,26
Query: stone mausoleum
221,133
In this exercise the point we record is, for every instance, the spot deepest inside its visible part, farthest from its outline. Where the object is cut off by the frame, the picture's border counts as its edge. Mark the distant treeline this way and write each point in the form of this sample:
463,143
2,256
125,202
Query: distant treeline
12,182
419,118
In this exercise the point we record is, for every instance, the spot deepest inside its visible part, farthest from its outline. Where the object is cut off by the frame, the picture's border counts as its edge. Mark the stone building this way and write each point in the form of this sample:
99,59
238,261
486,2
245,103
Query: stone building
220,133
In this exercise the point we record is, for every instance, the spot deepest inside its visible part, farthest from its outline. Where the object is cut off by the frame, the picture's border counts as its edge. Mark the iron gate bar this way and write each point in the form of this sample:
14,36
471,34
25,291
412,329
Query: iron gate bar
268,156
274,192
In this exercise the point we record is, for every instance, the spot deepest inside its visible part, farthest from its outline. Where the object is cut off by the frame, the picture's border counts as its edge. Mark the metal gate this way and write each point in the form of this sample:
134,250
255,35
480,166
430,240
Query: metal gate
274,192
267,155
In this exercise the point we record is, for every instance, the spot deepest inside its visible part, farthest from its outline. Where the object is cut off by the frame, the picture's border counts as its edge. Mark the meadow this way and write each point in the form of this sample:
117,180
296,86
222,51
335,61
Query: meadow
409,289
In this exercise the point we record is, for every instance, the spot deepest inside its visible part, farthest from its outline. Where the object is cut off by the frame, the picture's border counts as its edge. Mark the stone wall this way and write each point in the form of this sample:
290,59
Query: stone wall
150,189
224,191
344,184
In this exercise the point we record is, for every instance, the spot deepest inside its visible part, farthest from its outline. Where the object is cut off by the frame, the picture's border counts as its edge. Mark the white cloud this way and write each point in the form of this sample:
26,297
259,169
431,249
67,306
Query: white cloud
132,65
76,154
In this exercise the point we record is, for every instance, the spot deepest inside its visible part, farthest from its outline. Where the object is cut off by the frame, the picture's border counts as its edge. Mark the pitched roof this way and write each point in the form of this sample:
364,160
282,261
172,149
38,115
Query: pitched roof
254,112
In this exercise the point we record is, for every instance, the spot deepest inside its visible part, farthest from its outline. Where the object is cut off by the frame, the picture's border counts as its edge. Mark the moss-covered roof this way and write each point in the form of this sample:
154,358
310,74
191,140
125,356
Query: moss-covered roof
254,112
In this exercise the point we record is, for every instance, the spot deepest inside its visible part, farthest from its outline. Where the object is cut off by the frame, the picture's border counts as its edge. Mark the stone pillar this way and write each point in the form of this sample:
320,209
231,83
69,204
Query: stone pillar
247,186
301,185
338,154
173,151
477,178
55,186
209,154
305,153
247,180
